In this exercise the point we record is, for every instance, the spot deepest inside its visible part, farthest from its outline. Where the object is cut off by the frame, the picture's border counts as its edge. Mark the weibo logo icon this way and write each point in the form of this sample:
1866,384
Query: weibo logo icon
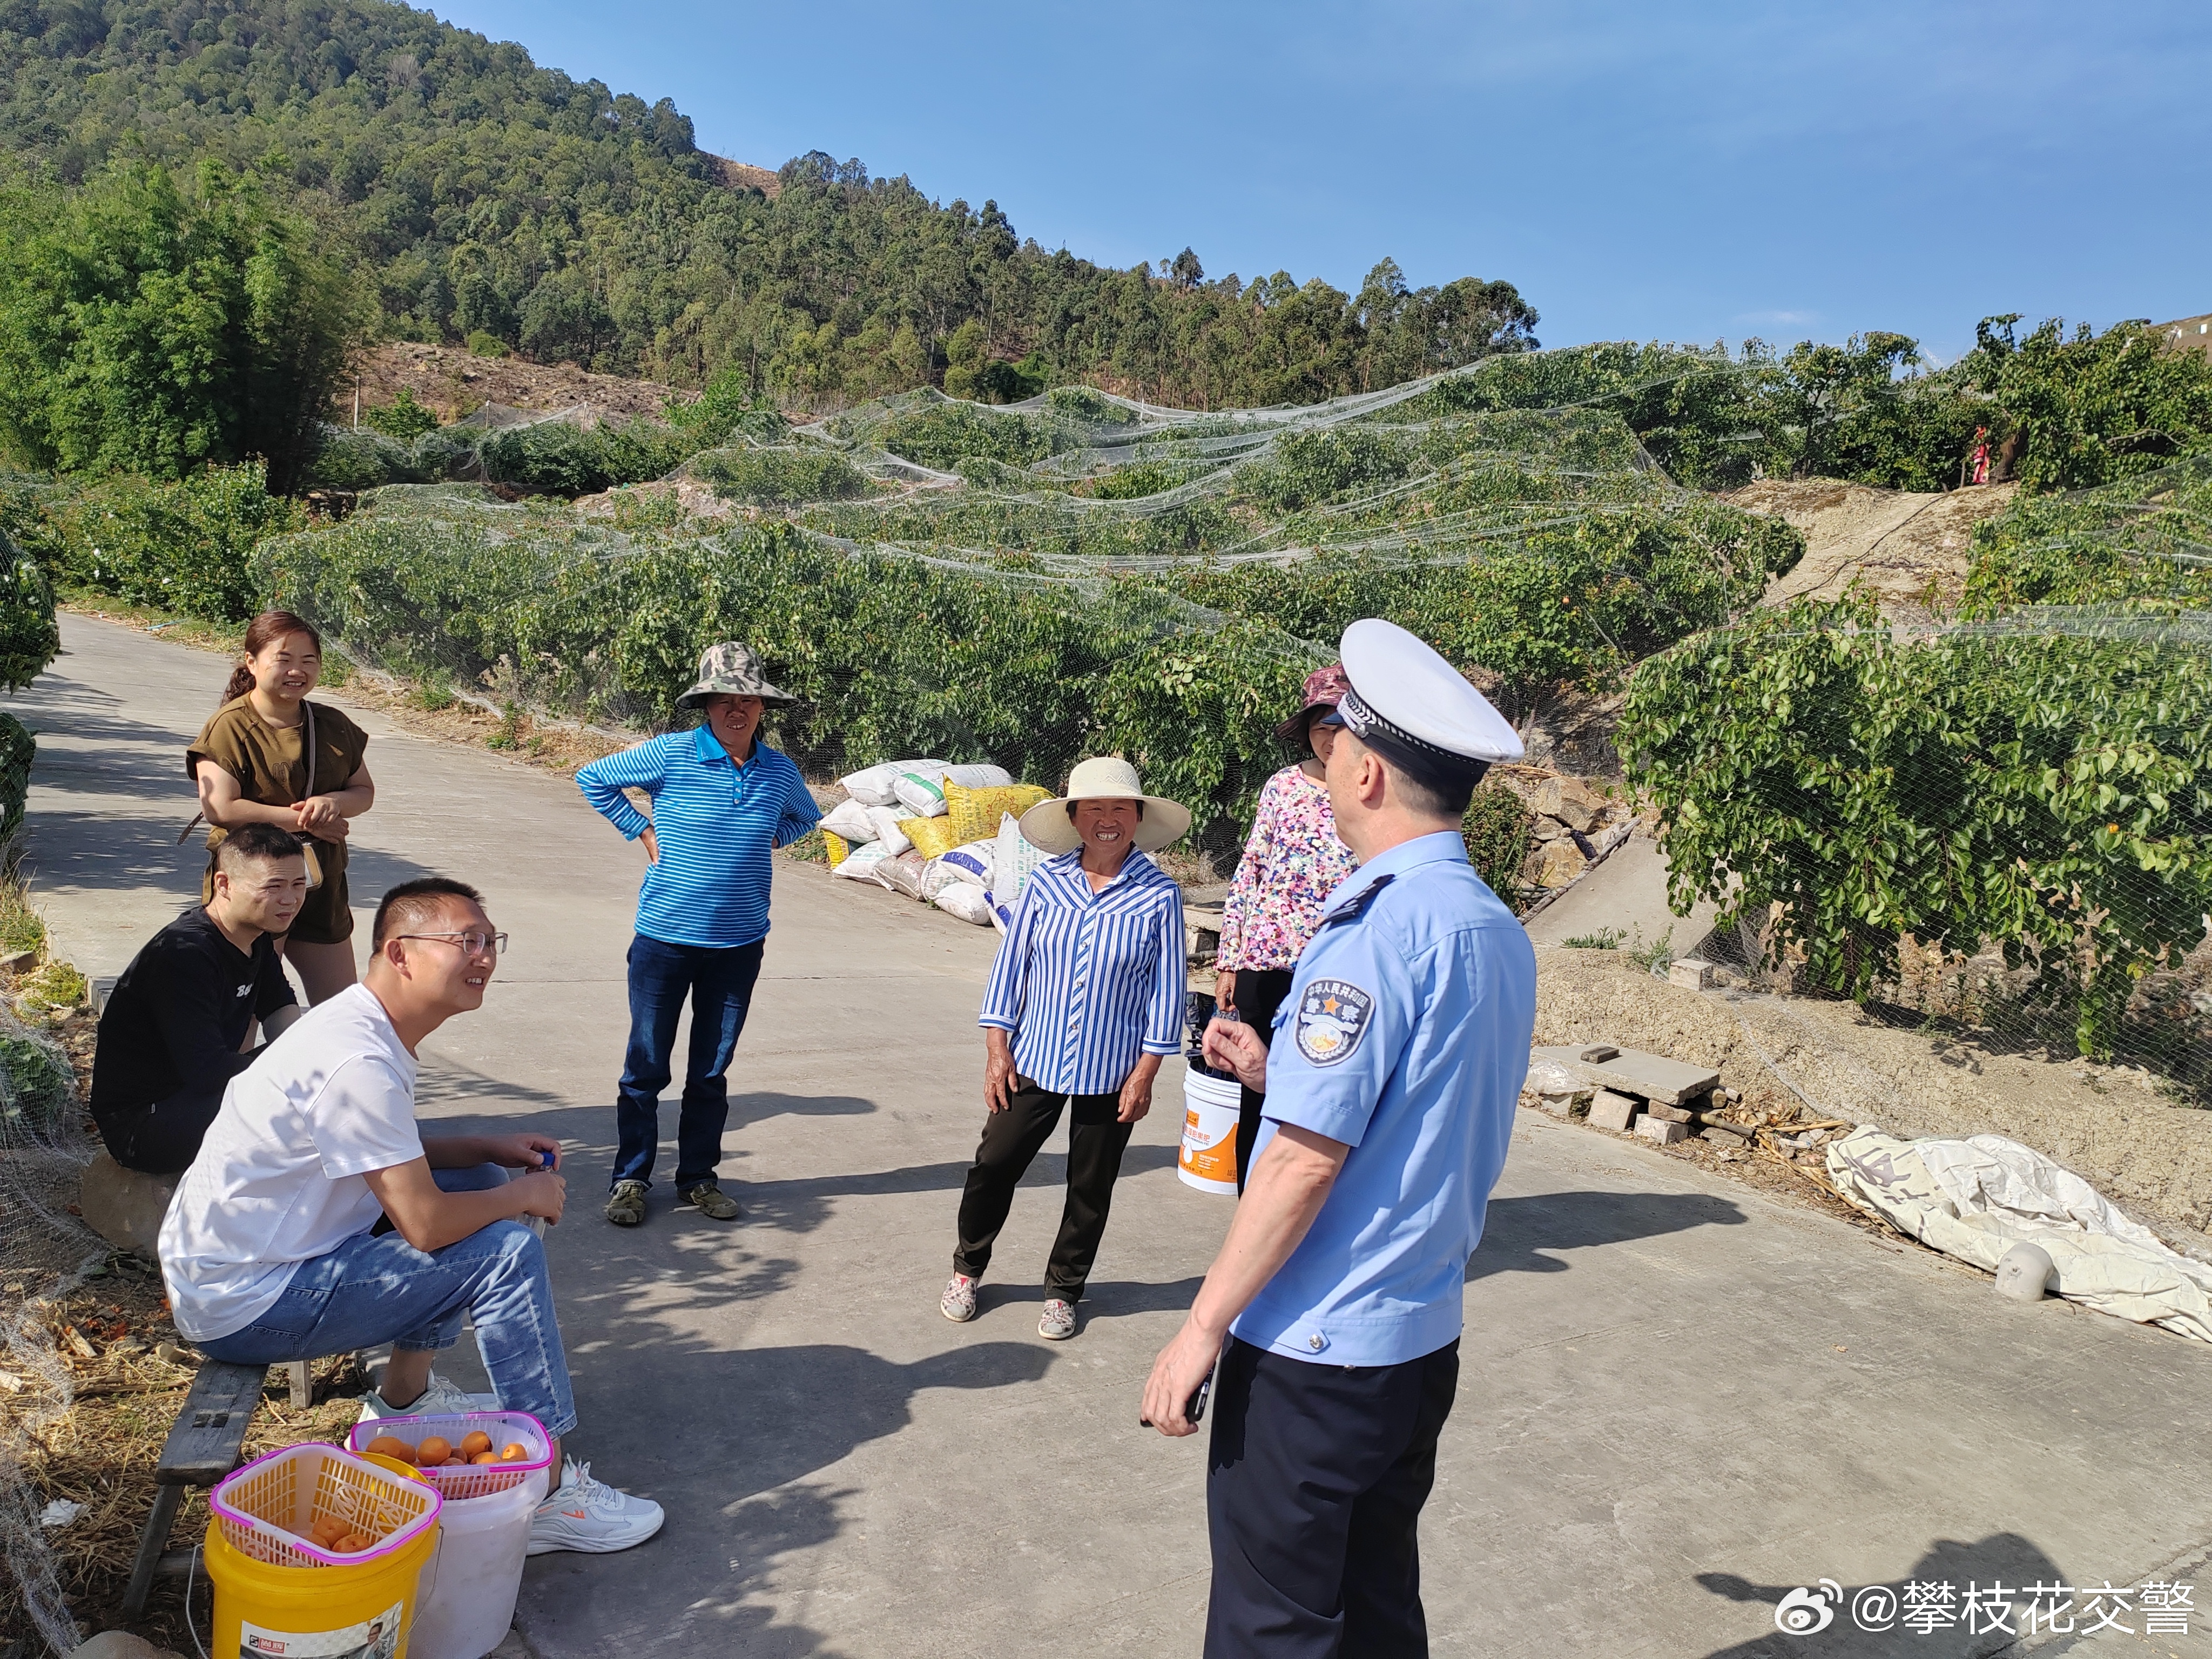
1806,1612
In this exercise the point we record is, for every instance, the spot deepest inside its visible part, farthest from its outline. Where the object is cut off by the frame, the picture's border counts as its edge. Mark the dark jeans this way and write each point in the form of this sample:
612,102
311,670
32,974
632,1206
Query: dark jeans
1260,992
1313,1498
720,983
1010,1141
162,1138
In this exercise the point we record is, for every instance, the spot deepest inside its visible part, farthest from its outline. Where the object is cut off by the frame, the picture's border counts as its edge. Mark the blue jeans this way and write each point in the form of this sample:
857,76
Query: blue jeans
720,983
377,1287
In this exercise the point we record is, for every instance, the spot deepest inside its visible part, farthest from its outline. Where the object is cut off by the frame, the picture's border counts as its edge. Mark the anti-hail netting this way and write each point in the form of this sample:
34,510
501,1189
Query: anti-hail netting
1994,815
46,1253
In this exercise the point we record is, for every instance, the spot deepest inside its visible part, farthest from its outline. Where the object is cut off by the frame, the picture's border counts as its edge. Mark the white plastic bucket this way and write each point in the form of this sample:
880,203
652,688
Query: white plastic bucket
467,1612
1208,1158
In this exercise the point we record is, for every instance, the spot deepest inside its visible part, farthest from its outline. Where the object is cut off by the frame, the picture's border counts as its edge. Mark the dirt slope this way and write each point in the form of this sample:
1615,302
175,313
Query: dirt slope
1907,547
453,382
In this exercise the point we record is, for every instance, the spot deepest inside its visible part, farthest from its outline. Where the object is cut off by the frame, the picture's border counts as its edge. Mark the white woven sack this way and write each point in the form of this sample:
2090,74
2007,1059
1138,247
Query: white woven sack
872,786
860,863
850,820
892,838
973,863
902,874
1011,859
969,903
922,787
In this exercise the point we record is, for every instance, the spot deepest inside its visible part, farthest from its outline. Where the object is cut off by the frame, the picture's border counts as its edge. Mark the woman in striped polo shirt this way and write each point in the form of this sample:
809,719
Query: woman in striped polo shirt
1084,1000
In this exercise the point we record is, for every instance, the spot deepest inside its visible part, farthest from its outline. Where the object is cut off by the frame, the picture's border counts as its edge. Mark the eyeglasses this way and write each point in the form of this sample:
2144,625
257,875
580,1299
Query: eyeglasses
474,943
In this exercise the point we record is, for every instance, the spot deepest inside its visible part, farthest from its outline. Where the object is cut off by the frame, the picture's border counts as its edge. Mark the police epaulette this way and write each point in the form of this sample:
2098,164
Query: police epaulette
1358,908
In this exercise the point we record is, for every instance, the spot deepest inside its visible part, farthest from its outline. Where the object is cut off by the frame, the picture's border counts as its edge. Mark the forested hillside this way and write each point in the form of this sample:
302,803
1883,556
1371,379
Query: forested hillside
474,195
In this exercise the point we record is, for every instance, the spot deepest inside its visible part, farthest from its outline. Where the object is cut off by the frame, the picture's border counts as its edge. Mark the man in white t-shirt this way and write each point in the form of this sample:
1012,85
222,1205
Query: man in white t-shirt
270,1249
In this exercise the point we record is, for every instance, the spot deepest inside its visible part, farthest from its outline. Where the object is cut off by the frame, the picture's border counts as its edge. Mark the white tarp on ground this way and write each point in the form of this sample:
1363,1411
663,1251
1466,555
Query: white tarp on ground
1976,1199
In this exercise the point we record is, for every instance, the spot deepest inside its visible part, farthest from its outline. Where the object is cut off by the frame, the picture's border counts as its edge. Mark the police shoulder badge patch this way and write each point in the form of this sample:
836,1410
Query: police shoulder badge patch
1332,1016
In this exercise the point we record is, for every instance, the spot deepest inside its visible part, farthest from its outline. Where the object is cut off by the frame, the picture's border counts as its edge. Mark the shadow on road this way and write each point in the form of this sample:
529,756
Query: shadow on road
1518,1230
725,1476
1869,1620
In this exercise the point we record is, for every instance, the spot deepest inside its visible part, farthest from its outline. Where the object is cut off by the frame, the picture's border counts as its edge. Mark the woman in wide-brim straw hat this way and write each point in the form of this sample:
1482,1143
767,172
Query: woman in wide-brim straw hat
1292,861
722,802
1084,1002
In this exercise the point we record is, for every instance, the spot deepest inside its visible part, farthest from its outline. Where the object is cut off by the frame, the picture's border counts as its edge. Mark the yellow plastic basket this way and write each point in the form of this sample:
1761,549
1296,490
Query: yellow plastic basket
266,1509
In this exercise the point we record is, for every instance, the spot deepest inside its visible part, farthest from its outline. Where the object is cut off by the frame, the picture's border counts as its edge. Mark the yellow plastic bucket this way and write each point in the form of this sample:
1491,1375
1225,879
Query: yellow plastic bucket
314,1612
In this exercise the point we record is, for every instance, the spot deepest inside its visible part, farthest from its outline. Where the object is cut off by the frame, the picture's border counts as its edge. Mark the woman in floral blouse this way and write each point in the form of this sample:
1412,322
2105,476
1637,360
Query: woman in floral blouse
1292,862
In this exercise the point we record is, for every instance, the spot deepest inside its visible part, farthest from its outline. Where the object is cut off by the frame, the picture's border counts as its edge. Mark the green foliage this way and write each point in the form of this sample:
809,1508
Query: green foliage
941,433
36,1084
727,408
1311,467
2141,539
482,196
1499,831
2046,790
2093,409
784,475
28,641
1605,939
485,345
181,545
146,327
403,419
558,457
17,751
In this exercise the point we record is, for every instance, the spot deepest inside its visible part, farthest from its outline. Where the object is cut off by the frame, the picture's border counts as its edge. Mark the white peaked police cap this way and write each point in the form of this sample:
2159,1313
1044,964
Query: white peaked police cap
1406,695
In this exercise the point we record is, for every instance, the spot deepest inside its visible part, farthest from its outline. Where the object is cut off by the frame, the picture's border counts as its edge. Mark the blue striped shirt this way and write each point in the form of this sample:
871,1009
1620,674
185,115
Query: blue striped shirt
1086,982
715,823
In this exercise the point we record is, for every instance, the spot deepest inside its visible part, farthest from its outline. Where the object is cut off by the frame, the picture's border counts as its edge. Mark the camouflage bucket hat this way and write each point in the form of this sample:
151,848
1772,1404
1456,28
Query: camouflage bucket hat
731,669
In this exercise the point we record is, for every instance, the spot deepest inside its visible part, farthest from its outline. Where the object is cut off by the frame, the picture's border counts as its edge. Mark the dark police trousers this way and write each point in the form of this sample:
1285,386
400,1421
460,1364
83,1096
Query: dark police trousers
1313,1495
1014,1137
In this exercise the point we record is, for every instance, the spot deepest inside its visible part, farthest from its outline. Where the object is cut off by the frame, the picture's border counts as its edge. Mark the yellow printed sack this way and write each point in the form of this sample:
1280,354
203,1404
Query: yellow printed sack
932,837
838,850
973,814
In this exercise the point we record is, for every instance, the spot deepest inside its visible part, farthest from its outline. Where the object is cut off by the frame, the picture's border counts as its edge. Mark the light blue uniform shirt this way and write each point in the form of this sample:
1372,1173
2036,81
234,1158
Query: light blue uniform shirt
1404,1035
715,823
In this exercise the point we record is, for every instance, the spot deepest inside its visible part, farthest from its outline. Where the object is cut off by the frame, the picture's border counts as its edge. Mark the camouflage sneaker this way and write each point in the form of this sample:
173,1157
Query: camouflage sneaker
958,1302
1058,1322
626,1203
711,1201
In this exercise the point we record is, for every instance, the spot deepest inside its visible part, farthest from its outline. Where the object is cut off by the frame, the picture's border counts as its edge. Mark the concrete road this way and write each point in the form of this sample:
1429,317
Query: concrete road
1679,1402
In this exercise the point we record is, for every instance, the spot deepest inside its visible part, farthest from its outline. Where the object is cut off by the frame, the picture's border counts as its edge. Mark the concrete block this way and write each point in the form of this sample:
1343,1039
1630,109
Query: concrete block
1666,1113
102,990
1660,1130
1631,1071
1692,973
1724,1134
124,1207
1609,1110
119,1645
1559,1106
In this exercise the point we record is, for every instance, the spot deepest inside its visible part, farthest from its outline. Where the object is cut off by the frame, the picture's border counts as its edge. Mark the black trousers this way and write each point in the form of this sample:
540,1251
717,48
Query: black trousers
1313,1496
1010,1141
1260,992
162,1138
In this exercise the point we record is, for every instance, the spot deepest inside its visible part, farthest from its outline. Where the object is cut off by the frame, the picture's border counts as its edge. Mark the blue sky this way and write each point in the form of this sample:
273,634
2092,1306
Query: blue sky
1646,171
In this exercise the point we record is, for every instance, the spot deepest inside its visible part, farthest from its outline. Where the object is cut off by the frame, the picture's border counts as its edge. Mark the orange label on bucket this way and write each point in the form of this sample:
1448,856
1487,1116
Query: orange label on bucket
1213,1159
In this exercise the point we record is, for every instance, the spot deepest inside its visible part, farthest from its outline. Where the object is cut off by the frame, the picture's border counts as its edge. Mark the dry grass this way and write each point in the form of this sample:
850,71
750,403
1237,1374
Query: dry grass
102,1453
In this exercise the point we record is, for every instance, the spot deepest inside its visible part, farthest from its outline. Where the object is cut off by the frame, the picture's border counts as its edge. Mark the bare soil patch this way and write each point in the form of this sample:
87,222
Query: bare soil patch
454,383
1911,549
2114,1126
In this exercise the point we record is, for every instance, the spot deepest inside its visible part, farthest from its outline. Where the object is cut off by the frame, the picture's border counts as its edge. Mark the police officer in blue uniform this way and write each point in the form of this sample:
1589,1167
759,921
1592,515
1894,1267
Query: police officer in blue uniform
1334,1308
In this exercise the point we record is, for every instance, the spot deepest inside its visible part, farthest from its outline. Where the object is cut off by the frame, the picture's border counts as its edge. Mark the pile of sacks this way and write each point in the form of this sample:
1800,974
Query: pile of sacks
948,836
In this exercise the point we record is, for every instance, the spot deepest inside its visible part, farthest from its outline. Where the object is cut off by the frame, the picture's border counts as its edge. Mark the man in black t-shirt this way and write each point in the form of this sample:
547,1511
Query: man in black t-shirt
176,1026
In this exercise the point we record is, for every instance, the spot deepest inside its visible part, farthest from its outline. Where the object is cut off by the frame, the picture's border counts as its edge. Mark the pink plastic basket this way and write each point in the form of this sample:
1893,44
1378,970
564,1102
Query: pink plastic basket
266,1508
477,1480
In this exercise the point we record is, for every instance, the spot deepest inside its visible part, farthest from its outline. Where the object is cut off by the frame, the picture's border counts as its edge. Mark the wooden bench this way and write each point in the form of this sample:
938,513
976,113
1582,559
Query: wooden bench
208,1443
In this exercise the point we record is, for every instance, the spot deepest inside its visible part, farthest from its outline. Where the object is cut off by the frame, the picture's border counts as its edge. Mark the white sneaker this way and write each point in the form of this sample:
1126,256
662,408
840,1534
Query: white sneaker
443,1398
584,1515
1058,1322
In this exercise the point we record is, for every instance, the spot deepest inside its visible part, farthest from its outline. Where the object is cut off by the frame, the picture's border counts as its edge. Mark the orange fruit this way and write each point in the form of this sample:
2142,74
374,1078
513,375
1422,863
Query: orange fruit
455,1463
387,1445
474,1442
485,1458
326,1530
434,1450
515,1452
